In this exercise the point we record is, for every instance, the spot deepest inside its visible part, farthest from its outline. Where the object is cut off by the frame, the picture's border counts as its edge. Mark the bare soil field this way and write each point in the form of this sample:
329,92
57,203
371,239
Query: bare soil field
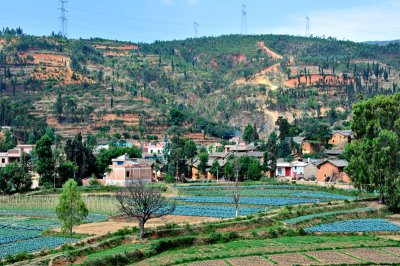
114,224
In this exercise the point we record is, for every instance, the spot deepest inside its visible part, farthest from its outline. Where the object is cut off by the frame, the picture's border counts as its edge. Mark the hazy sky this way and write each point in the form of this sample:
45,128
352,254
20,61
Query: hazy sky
149,20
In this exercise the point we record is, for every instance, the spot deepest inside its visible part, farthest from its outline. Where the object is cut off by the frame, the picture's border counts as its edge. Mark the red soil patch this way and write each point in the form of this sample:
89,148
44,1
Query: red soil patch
194,135
273,68
238,58
112,53
129,119
125,47
330,80
268,51
142,98
215,64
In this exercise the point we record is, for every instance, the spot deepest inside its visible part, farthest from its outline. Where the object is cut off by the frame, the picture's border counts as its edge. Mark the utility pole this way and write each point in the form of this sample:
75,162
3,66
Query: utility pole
196,29
307,27
63,18
244,20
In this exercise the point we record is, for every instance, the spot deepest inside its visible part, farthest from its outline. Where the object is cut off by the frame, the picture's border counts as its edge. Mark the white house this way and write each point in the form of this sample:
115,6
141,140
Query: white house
283,168
298,169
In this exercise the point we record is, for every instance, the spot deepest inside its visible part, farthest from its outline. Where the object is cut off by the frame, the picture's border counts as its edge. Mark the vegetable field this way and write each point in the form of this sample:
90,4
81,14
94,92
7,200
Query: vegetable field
356,225
22,231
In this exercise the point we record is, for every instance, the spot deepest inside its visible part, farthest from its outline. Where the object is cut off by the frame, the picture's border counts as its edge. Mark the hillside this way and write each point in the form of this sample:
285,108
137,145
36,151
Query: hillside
210,84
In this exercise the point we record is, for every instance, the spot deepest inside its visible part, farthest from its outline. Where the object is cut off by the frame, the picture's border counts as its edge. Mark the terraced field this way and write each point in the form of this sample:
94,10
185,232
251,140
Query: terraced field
315,250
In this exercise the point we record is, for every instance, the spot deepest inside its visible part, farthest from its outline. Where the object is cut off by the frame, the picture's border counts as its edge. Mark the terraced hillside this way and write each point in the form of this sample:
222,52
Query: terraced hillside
213,84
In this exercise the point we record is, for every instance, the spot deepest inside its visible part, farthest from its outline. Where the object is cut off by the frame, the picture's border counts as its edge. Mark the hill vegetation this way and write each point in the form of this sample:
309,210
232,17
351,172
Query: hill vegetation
214,85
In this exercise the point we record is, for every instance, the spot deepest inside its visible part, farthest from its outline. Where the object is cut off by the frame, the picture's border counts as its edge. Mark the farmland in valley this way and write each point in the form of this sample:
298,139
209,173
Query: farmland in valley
279,223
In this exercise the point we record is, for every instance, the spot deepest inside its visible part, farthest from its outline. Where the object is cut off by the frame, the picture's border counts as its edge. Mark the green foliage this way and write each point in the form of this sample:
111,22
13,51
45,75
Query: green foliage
215,168
14,177
44,159
248,134
169,178
9,142
71,209
81,155
249,168
203,160
374,154
66,170
271,153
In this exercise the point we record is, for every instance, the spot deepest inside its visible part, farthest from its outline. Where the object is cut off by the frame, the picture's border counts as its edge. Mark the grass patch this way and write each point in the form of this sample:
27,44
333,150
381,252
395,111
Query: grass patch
115,251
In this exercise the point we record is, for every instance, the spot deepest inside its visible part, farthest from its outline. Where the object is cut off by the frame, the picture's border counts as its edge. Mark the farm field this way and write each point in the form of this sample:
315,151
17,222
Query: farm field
276,227
286,249
23,231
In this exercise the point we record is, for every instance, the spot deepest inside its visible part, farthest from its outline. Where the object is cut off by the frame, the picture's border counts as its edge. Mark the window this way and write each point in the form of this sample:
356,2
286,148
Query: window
279,171
3,160
295,168
127,173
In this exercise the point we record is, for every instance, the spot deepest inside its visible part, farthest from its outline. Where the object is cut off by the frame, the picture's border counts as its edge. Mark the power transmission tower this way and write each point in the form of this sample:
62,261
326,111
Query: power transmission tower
244,20
196,28
63,18
307,27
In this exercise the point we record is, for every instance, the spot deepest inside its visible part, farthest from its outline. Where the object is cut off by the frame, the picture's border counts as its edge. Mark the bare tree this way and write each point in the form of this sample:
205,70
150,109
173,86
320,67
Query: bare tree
236,191
143,202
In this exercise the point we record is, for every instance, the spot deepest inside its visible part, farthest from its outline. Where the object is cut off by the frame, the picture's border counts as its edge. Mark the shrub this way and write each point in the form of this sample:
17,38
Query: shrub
169,178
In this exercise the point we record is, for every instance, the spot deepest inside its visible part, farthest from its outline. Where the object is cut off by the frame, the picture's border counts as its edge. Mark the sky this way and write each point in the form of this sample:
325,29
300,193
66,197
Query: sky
151,20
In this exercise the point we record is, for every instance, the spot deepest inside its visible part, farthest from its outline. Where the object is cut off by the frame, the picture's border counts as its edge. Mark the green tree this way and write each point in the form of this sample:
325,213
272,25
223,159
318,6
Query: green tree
176,117
318,131
254,170
44,159
190,151
271,153
65,171
9,141
374,154
203,160
215,169
284,149
248,134
284,127
71,209
14,178
81,155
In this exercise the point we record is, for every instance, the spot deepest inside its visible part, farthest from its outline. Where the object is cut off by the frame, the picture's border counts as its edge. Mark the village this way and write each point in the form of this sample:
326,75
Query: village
124,170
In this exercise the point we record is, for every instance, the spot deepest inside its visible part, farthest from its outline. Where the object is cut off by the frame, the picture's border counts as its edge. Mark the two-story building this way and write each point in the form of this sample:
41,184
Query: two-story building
125,170
14,155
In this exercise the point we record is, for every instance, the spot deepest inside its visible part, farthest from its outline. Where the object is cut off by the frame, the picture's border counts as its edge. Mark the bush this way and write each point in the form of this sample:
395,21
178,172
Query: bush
169,178
94,182
169,244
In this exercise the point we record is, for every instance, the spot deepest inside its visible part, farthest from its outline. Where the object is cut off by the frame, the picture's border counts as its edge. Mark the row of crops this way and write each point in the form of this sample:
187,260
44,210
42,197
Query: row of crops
356,225
267,201
32,245
318,215
217,200
270,192
92,217
213,211
21,231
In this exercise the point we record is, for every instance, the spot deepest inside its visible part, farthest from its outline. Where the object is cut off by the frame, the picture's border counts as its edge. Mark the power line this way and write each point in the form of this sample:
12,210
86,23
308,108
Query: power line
244,20
63,18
